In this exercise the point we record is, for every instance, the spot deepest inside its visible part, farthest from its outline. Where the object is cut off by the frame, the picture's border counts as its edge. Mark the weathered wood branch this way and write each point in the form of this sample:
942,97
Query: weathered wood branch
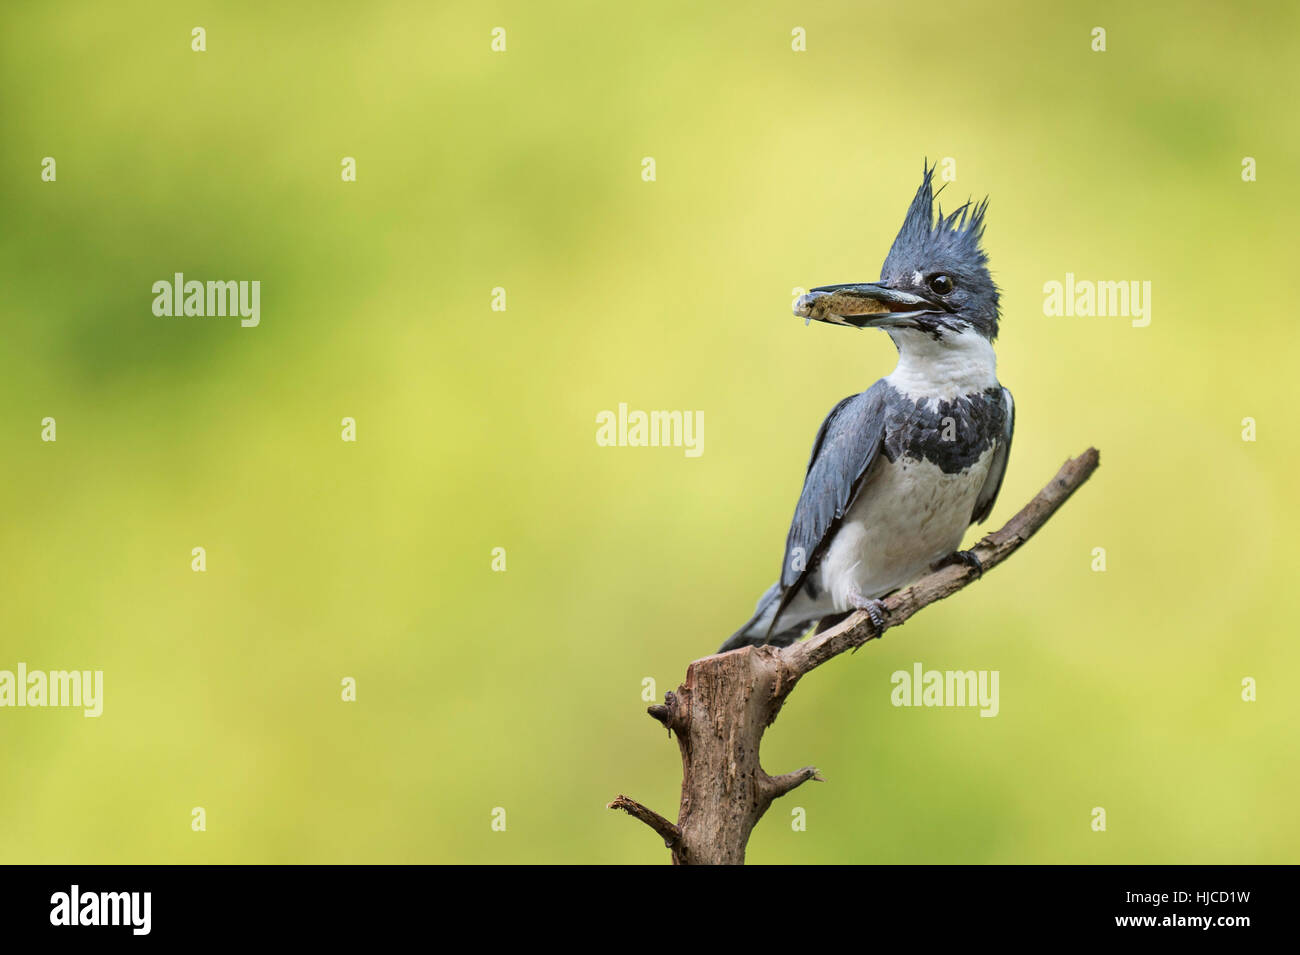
720,712
658,823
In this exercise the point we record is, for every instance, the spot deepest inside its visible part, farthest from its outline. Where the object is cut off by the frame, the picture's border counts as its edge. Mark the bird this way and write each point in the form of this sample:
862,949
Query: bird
900,471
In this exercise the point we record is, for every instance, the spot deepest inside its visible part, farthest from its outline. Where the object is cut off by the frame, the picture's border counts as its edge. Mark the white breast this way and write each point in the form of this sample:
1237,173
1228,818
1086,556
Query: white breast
908,515
958,365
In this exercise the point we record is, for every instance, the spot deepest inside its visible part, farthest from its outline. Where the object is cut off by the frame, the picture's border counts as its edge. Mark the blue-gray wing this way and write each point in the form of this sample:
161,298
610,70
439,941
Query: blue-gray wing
845,447
998,466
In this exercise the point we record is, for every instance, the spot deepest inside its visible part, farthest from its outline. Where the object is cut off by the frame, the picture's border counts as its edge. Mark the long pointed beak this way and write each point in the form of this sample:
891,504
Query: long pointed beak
863,305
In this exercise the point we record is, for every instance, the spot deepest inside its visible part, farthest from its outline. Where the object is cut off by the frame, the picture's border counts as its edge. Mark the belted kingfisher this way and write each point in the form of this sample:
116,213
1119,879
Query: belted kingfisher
899,471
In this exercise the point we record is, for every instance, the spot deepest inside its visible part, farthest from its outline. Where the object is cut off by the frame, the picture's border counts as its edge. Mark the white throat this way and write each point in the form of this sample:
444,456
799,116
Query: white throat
956,365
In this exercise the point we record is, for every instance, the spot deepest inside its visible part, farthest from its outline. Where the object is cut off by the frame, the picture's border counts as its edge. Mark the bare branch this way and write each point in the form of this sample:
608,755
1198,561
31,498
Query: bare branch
992,550
720,711
670,833
776,786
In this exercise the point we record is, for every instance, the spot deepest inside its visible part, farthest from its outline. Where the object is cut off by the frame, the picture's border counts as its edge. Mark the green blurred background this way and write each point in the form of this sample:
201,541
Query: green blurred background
476,429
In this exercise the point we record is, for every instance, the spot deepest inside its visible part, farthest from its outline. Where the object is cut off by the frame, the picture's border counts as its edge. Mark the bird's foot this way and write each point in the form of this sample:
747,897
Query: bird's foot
875,609
966,557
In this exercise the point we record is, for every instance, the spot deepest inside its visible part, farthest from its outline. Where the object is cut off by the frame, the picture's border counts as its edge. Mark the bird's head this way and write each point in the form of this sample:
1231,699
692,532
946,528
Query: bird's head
935,279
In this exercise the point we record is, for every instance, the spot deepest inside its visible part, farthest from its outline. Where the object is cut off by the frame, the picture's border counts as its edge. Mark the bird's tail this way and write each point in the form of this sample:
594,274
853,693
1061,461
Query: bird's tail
755,631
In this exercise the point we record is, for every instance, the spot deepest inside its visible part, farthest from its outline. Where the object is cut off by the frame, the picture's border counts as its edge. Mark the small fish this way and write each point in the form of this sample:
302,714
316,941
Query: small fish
841,302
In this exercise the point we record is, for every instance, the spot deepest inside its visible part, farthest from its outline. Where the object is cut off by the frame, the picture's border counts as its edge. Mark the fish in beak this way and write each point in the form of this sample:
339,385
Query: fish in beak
864,305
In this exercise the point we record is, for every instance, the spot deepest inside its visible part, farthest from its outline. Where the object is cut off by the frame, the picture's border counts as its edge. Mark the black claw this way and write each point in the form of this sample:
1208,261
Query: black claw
874,611
966,557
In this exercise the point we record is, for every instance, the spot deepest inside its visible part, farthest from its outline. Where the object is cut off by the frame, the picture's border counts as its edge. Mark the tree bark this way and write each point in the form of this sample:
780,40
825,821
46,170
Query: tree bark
728,700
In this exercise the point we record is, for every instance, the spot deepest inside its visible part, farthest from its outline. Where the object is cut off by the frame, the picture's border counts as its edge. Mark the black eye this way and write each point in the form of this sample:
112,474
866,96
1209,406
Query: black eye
940,284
